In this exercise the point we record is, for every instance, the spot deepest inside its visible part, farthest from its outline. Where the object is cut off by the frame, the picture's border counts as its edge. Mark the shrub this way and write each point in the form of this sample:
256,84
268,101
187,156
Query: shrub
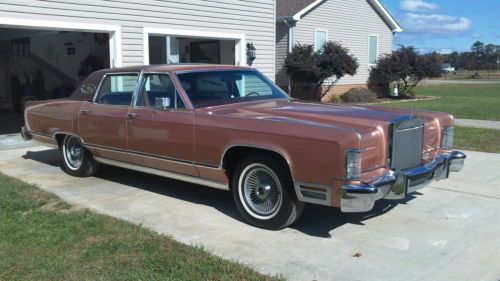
321,69
358,95
334,99
405,68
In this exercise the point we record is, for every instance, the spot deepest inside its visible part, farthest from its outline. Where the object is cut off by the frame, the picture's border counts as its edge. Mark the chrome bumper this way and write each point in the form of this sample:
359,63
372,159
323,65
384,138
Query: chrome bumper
395,185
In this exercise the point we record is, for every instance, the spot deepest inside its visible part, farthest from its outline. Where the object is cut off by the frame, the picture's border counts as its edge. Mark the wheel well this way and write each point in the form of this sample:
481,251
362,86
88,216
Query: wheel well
238,153
60,139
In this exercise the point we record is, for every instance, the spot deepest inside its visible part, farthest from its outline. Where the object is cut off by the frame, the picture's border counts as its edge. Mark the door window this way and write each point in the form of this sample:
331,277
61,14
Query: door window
117,89
157,87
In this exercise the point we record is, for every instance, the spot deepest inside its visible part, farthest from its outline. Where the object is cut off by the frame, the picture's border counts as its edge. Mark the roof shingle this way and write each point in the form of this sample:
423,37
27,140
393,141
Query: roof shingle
288,8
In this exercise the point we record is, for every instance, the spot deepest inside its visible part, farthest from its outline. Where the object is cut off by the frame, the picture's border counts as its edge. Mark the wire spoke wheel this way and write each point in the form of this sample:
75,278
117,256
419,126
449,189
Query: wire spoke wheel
73,152
261,191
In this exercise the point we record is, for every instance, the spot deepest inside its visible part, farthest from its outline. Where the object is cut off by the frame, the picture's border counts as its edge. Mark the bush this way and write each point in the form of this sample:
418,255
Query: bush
358,95
321,69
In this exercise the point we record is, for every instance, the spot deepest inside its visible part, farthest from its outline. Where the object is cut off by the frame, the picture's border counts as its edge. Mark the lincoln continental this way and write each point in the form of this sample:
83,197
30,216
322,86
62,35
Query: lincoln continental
231,128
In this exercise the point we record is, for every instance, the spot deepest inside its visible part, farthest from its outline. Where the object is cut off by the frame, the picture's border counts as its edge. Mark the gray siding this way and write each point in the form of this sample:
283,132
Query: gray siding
349,22
255,19
282,33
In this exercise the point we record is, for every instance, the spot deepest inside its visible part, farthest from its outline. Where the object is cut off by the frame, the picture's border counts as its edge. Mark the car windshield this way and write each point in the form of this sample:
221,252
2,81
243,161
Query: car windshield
209,88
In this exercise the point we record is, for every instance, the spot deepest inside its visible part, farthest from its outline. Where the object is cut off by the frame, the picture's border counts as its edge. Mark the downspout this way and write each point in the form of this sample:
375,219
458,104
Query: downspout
290,23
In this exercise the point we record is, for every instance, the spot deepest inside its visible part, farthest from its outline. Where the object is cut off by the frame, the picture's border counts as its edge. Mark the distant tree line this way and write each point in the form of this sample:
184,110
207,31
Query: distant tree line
480,57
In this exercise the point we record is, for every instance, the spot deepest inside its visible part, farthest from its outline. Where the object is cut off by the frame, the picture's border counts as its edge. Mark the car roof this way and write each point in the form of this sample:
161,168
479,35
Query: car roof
181,67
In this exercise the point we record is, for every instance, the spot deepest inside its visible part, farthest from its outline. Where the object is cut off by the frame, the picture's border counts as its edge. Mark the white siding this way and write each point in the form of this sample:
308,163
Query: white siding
349,22
282,33
255,19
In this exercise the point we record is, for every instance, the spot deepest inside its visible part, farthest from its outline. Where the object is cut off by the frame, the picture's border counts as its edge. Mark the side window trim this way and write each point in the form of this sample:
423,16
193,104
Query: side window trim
142,81
94,100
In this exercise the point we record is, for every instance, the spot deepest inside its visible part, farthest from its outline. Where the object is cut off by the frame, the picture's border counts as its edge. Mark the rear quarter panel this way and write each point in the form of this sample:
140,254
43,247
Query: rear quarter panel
52,117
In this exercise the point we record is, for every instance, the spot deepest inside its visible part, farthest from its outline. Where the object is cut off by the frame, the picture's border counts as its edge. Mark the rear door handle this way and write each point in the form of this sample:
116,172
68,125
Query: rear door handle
85,112
132,115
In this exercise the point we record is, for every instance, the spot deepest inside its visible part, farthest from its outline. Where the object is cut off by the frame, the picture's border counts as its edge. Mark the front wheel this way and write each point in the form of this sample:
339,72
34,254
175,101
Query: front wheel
263,193
77,160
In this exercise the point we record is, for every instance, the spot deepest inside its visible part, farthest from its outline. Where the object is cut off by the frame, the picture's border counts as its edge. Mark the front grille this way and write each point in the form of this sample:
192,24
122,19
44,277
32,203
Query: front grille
406,142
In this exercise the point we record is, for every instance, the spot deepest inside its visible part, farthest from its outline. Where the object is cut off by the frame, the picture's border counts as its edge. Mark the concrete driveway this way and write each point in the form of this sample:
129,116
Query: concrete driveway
449,231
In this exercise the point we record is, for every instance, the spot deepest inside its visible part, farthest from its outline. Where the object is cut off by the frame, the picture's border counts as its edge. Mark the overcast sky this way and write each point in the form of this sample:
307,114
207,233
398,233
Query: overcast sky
446,25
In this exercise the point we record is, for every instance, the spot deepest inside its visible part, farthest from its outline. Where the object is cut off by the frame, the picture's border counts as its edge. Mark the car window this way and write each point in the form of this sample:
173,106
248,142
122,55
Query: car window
155,87
216,87
117,89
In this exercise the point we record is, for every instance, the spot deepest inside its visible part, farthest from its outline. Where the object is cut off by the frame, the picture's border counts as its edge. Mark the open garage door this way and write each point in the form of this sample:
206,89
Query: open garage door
171,49
40,64
165,46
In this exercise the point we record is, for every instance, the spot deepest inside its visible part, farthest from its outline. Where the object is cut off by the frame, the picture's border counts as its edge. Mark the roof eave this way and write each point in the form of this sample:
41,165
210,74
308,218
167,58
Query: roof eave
393,24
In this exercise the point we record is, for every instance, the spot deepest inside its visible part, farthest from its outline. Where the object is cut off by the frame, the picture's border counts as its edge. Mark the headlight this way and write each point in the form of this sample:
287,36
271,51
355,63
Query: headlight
353,165
448,134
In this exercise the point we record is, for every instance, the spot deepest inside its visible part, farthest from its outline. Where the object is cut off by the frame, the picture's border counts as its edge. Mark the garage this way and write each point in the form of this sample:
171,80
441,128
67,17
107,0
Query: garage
45,63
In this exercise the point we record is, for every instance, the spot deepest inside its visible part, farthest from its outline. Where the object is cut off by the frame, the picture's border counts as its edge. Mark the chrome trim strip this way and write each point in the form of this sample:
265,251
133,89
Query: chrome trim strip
138,153
162,173
164,158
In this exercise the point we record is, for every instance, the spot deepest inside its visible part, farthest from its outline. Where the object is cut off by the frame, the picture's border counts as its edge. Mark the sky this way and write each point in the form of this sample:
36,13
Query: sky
445,26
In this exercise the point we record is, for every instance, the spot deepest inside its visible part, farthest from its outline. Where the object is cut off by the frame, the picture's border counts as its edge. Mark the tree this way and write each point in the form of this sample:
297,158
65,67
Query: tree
321,69
405,67
478,50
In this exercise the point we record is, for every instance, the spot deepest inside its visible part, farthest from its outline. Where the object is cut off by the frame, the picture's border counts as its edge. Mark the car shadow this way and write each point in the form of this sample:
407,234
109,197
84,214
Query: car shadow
316,220
319,221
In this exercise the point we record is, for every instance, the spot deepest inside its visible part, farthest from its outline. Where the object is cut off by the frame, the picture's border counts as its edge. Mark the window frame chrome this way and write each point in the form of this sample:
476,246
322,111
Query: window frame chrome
140,84
94,99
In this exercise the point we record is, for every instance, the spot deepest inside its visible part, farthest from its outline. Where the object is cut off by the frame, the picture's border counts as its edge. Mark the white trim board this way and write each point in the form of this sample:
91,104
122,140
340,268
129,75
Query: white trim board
394,25
239,49
115,38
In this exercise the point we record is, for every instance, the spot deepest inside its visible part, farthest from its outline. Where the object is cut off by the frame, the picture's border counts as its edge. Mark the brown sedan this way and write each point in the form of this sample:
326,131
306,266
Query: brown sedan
231,128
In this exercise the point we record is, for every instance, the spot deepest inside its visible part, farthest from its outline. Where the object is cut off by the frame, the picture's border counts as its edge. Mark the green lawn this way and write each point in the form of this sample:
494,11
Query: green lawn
44,238
487,140
463,101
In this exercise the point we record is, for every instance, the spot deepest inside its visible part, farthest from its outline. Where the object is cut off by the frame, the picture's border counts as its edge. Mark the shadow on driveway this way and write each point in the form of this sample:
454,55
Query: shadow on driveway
316,220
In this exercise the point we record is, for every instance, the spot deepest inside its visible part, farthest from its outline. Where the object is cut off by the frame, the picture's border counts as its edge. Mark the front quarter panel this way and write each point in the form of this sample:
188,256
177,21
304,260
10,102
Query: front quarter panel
314,154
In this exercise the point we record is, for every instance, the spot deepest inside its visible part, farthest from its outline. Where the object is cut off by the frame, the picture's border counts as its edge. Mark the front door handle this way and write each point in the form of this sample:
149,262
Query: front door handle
85,112
132,115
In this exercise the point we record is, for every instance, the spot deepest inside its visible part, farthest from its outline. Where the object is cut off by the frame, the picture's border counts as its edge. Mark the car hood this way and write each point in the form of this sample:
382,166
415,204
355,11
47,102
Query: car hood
309,113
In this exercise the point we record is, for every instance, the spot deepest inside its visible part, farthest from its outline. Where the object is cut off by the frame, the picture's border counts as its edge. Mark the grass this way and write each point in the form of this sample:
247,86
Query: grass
487,140
44,238
463,101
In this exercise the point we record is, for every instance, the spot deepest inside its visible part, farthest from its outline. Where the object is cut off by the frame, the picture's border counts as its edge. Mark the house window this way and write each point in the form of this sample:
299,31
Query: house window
320,38
372,49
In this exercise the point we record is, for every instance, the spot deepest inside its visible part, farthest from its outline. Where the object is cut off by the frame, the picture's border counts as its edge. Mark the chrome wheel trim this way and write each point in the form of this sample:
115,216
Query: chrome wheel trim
260,191
73,152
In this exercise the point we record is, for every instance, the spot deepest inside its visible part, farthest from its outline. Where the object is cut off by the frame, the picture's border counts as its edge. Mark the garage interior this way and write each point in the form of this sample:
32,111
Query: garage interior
170,49
44,64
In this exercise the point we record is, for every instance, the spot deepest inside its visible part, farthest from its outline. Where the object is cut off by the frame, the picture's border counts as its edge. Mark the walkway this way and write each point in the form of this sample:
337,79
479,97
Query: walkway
487,124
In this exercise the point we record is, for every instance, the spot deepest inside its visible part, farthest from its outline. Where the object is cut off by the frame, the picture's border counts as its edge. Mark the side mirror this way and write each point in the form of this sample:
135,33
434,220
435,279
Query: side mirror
88,89
162,103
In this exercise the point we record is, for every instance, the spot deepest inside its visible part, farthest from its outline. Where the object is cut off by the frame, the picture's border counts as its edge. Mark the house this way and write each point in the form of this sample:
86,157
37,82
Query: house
48,47
365,27
446,67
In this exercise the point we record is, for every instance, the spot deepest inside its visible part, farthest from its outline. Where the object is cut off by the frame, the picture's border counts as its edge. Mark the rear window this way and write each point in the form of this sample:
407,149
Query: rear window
117,89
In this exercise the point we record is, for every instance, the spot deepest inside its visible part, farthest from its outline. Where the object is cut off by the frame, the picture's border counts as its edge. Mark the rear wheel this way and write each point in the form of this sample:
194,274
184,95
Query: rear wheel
263,192
77,160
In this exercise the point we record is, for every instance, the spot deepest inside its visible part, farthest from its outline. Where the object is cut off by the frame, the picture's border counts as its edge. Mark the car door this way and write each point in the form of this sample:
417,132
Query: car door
103,122
161,135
